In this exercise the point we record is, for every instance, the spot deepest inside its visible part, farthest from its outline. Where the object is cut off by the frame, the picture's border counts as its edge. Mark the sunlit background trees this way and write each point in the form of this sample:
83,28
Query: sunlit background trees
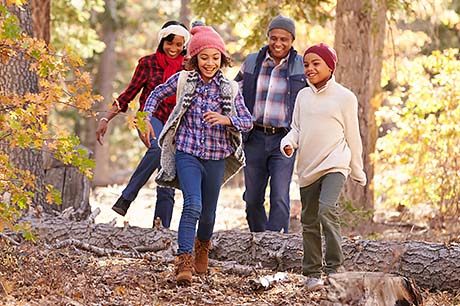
407,81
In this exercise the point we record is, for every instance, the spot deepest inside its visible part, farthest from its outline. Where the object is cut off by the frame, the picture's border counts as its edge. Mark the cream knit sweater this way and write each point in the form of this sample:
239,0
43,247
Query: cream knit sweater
325,131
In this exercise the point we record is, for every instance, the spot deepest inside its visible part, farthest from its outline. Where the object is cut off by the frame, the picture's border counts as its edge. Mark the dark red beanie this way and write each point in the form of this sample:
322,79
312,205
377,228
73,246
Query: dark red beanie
326,53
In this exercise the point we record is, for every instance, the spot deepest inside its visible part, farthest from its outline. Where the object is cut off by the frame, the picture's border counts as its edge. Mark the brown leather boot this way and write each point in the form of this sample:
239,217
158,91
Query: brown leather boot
201,255
184,269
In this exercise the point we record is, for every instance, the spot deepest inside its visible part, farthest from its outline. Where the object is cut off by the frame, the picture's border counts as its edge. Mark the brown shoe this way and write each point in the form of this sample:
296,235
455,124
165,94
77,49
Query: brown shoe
201,255
184,269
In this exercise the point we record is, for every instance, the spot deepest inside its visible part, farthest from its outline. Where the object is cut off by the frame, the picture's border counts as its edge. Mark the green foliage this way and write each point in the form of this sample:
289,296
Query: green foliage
24,117
352,216
256,15
10,28
420,154
71,25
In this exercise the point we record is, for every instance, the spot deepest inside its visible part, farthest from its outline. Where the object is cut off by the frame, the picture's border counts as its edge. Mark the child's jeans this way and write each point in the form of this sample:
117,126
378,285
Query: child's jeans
319,213
200,181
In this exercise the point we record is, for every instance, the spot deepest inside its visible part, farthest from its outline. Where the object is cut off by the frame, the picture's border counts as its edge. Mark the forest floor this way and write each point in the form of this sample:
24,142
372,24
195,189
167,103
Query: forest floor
38,274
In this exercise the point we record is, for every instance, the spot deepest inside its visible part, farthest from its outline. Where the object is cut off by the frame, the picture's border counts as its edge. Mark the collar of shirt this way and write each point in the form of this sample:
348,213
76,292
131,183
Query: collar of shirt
320,90
269,57
214,81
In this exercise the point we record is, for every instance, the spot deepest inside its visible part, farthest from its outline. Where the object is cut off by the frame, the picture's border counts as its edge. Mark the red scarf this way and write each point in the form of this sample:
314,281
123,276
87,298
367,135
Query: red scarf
170,66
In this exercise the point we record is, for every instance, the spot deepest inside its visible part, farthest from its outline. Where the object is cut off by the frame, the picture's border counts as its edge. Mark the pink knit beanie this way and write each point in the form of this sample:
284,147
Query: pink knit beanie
204,37
326,53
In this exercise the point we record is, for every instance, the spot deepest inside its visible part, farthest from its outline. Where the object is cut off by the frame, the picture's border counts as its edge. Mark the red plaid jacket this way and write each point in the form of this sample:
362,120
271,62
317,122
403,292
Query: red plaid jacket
147,76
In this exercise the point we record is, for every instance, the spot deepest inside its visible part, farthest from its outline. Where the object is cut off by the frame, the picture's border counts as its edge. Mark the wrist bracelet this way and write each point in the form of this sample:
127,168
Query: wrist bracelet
104,119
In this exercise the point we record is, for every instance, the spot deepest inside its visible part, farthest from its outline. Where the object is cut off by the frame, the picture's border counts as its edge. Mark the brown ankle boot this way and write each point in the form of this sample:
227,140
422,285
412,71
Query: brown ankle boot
201,255
184,269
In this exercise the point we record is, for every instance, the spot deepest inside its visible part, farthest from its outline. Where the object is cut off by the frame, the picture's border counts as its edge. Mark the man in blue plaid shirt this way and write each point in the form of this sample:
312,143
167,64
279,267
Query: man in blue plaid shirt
270,80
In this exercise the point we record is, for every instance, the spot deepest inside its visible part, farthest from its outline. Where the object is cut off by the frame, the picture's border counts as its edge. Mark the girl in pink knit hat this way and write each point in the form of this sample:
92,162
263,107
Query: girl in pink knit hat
325,131
200,144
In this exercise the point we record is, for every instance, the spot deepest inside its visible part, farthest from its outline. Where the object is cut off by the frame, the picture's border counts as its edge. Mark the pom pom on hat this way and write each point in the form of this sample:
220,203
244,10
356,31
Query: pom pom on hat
328,54
204,37
284,23
197,23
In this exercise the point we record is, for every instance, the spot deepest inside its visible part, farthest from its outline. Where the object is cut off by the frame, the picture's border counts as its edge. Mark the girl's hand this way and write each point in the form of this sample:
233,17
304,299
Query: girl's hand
288,150
213,118
145,136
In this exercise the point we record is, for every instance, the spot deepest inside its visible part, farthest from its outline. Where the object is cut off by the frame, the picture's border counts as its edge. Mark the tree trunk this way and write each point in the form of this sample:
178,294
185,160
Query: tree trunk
184,14
16,77
431,265
103,85
368,288
41,17
73,186
359,41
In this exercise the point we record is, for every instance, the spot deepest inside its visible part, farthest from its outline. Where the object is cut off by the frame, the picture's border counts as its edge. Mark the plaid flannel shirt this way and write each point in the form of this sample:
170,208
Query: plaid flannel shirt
147,76
194,135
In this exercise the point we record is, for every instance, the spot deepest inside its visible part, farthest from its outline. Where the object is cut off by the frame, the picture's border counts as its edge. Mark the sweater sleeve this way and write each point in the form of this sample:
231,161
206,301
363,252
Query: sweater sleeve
292,138
353,138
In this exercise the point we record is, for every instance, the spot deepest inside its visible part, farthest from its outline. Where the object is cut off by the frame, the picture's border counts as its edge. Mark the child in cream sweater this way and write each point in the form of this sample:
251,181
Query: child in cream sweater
325,131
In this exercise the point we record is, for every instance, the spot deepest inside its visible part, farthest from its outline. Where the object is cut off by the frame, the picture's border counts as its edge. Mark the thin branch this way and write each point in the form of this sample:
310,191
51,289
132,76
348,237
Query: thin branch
9,239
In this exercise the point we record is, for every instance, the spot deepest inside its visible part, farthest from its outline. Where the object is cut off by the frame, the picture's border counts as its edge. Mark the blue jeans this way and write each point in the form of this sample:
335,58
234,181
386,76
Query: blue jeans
264,160
200,181
149,163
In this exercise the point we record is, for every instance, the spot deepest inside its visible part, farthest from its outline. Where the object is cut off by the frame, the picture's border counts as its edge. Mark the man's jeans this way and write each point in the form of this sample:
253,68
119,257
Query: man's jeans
263,161
319,214
200,181
149,163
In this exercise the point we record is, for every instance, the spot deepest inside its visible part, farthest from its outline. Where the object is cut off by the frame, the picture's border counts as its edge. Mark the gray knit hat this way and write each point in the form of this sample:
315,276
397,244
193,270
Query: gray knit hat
284,23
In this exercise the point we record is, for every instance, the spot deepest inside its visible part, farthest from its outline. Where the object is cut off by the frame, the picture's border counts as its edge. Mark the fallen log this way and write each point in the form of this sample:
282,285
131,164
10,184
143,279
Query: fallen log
430,265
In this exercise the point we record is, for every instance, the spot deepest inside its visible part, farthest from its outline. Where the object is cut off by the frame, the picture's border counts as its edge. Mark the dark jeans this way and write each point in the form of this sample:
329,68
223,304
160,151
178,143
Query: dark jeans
200,181
319,213
149,163
264,161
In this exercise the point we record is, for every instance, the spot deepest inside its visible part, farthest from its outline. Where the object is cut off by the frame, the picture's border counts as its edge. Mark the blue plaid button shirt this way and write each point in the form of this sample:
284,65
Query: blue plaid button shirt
270,107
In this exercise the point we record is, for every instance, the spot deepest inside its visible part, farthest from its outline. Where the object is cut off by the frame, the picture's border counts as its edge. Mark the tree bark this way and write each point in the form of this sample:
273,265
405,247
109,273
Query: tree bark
73,186
359,41
430,265
103,85
184,14
16,77
368,288
41,17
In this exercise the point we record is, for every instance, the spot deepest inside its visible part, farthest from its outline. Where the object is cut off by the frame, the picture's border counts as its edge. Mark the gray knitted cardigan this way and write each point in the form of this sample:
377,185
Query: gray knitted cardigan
185,89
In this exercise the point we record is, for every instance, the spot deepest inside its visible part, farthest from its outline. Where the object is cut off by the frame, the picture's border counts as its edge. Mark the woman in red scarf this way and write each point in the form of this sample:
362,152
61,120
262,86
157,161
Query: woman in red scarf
151,71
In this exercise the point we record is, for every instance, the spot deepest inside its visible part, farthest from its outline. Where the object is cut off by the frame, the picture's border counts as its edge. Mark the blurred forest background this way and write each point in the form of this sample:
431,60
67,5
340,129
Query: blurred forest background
400,57
416,103
62,63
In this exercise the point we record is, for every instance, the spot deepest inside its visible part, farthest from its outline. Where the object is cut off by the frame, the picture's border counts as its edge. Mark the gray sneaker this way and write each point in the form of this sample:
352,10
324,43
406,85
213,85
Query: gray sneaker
314,284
